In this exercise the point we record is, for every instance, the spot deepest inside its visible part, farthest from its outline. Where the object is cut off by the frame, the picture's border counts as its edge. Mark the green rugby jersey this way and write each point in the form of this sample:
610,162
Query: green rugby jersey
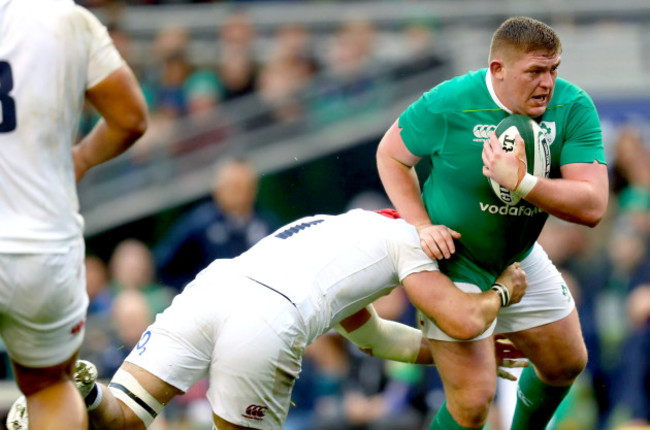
447,126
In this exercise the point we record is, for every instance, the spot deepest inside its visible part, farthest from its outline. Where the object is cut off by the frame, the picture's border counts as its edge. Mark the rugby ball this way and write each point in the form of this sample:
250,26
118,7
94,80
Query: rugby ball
538,155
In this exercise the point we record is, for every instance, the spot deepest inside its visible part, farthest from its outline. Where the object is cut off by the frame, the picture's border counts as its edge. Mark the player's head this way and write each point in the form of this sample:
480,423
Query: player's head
524,57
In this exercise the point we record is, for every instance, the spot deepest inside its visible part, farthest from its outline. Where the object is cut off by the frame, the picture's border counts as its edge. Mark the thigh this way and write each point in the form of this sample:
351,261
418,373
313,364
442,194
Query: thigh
468,373
44,306
251,380
557,350
465,365
547,297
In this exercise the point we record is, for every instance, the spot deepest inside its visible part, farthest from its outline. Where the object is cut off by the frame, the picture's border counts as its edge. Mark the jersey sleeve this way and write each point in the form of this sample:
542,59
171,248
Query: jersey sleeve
408,254
422,129
104,58
584,140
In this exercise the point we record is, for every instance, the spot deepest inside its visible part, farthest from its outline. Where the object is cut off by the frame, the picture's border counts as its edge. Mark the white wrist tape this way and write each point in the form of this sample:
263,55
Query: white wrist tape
387,339
526,185
503,293
98,399
126,388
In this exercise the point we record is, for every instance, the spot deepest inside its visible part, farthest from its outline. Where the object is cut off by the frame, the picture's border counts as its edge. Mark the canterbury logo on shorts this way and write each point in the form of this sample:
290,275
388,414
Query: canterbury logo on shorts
255,412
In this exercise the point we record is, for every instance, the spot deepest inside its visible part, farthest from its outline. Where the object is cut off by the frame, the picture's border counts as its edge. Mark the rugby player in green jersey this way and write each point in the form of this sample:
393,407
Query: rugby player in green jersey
463,223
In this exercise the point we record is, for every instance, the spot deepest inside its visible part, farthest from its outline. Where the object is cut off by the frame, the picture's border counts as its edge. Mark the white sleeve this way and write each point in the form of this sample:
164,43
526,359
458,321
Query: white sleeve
408,253
103,56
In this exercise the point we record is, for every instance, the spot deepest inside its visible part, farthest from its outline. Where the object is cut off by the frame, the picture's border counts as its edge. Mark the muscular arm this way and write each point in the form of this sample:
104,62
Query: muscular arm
396,166
580,196
120,102
459,314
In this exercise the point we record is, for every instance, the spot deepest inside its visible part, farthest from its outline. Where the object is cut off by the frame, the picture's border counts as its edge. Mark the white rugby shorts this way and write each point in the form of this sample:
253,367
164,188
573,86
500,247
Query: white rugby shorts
43,303
248,339
547,300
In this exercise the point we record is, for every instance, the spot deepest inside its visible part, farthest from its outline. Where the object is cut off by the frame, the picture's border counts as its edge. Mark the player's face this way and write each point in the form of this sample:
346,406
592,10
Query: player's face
528,80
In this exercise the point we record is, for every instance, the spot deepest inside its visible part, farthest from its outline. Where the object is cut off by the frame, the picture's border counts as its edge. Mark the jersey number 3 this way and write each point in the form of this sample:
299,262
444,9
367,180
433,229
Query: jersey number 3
7,104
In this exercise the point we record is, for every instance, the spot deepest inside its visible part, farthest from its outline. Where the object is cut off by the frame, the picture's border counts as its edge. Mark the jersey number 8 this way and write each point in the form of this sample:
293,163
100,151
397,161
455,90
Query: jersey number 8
7,104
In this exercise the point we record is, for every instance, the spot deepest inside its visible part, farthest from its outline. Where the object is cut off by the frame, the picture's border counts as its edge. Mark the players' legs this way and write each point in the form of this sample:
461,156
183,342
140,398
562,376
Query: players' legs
558,354
546,328
53,402
557,350
468,373
44,305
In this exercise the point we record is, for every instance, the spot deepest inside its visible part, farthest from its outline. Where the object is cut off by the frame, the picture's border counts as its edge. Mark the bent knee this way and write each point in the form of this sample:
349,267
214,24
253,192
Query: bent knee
565,371
470,408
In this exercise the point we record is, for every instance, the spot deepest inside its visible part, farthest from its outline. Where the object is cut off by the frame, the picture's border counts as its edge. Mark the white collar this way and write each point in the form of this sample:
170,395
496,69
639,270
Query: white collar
490,87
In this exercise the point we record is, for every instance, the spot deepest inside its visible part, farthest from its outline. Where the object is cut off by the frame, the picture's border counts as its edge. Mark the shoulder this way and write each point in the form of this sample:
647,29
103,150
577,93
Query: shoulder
568,93
454,94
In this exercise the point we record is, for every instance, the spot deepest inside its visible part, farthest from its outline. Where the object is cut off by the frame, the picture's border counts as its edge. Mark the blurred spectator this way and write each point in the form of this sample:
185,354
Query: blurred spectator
292,44
107,345
132,268
130,317
166,72
97,280
223,227
169,91
351,83
236,60
279,93
204,93
635,398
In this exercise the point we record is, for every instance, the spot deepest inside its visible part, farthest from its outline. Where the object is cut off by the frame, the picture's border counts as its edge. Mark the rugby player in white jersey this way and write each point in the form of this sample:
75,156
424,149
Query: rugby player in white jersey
53,54
245,322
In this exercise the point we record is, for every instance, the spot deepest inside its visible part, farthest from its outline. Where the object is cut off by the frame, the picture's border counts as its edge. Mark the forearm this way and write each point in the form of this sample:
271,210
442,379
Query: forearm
575,201
103,143
382,338
467,315
109,415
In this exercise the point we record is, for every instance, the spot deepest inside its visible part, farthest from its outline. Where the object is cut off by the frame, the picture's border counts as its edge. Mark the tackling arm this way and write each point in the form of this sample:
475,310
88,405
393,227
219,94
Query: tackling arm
120,102
462,315
384,338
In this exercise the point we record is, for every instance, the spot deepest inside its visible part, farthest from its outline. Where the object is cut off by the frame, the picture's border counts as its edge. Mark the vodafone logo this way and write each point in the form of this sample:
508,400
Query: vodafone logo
506,210
255,412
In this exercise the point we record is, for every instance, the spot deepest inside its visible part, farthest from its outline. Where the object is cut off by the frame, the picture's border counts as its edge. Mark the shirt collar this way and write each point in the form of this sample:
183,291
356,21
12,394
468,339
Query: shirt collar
490,88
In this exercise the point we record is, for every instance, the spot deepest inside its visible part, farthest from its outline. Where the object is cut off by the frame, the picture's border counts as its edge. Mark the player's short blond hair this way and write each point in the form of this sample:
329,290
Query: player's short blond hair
525,35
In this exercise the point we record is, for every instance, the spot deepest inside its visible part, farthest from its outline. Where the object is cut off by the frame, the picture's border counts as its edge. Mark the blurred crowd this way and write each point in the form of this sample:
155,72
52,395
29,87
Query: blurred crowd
607,268
281,76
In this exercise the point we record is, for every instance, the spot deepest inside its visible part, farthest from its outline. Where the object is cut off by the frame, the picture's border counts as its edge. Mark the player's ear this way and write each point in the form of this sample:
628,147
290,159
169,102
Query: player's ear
496,68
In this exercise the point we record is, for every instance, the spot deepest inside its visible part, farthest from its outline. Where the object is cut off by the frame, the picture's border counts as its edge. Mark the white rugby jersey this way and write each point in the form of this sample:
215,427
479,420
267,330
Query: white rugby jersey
332,266
51,51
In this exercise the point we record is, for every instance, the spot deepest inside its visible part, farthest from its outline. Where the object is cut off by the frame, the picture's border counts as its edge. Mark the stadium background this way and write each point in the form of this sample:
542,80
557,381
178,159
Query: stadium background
322,81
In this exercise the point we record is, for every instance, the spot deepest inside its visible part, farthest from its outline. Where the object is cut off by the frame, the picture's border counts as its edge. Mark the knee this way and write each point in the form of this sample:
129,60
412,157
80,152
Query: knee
470,408
566,370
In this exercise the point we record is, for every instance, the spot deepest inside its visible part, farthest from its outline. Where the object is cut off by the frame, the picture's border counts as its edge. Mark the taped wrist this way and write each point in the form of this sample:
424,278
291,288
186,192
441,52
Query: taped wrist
526,185
503,293
387,339
93,398
127,389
